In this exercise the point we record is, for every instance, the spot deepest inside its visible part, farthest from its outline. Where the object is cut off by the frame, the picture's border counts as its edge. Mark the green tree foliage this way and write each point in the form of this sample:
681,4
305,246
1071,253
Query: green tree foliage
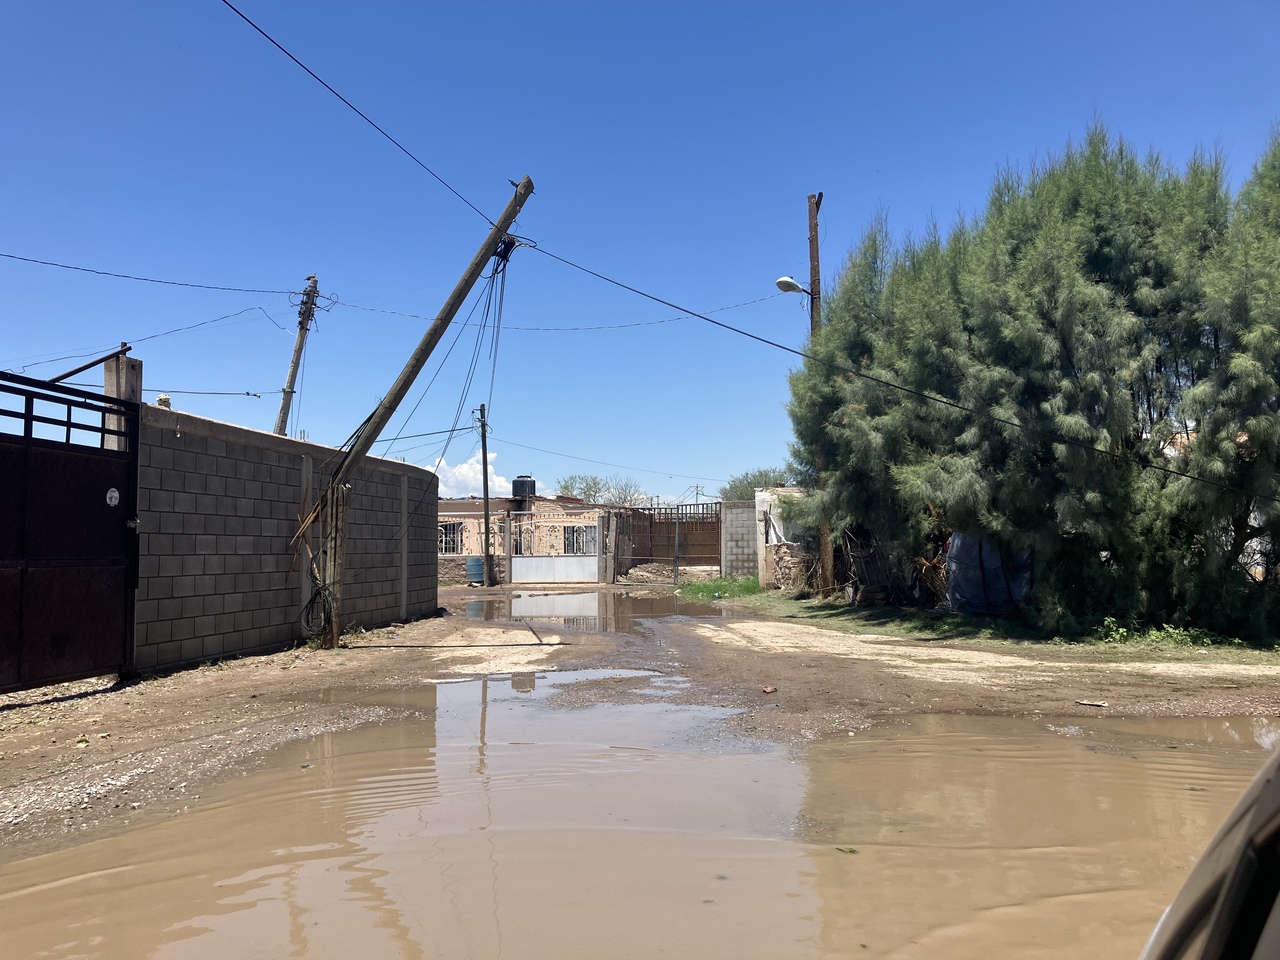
743,486
1104,313
616,490
584,486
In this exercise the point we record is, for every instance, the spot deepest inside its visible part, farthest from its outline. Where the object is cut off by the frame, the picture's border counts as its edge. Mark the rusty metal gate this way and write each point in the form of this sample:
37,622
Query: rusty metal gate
672,537
68,532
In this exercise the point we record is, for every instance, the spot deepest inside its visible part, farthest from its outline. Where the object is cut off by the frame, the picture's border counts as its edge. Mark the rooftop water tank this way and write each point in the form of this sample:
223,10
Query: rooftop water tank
524,488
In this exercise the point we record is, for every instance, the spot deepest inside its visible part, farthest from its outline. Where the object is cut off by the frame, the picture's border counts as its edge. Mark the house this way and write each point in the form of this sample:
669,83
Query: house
558,537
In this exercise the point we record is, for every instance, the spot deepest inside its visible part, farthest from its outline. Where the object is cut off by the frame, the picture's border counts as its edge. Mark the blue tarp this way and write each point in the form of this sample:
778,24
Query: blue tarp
981,579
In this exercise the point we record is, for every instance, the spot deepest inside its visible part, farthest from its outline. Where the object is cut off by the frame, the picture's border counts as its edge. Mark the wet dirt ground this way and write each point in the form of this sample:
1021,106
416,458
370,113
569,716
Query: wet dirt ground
342,789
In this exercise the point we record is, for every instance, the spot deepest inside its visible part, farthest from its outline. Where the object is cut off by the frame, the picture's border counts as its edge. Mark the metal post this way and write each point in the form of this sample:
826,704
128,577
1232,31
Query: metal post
305,314
675,552
507,544
337,536
489,580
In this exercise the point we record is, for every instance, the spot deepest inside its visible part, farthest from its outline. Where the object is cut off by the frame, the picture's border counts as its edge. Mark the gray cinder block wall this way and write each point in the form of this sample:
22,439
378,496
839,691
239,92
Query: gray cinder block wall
219,505
738,539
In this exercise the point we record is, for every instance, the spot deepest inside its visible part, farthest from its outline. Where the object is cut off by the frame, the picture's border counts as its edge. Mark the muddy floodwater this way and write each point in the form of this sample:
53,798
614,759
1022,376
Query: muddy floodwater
508,818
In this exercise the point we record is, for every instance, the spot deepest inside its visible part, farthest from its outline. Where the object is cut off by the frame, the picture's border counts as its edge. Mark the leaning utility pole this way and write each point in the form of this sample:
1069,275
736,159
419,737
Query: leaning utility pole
335,506
489,579
826,555
305,314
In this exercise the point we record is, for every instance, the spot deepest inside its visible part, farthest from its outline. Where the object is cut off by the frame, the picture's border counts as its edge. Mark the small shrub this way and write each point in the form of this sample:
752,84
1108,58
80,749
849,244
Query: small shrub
1112,632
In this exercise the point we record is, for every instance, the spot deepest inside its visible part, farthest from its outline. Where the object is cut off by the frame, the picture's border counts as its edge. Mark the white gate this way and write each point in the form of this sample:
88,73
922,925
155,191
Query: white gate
554,547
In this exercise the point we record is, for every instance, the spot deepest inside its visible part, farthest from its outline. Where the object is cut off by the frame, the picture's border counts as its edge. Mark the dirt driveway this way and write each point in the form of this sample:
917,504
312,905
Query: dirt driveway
82,759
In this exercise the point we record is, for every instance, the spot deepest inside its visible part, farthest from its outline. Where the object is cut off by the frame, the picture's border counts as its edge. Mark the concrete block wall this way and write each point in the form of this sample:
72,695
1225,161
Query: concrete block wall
218,507
738,539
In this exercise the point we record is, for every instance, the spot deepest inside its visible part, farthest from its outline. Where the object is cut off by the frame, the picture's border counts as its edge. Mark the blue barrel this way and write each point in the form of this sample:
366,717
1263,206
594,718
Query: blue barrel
475,569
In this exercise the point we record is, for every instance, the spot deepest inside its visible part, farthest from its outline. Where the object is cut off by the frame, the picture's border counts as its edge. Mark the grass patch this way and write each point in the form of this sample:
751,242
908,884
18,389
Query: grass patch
1111,642
730,588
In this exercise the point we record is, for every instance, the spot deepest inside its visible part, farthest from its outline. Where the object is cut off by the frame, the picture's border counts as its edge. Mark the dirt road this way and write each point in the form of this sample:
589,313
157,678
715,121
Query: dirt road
83,759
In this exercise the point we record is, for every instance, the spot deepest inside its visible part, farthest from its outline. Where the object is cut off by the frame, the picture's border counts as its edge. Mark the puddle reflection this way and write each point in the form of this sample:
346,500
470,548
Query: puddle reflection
590,611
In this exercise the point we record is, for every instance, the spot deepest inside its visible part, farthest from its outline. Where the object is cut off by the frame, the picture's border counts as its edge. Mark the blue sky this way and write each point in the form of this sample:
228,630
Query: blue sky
672,147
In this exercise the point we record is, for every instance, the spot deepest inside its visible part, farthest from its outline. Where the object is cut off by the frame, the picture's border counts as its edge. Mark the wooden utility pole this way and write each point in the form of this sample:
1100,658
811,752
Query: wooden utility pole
418,359
489,579
826,554
815,275
306,312
386,409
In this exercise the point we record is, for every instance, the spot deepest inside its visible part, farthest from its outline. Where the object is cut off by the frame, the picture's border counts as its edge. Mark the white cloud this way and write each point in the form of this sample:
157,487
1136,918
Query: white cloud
465,479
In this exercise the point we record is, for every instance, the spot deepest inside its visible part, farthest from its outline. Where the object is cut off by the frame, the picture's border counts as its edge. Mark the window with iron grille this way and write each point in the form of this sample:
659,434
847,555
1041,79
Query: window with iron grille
522,538
580,541
450,539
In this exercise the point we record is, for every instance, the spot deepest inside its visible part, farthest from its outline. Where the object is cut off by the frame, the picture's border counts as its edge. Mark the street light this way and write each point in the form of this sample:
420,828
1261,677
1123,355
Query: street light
787,285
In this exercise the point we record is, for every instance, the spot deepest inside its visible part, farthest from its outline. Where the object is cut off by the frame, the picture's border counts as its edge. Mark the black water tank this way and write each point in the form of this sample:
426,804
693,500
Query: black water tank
524,488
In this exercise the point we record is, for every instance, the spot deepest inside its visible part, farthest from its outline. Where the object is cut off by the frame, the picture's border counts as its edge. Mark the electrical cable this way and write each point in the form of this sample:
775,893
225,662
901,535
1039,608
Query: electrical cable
439,370
605,463
430,433
125,276
200,393
842,368
607,326
154,336
314,76
296,411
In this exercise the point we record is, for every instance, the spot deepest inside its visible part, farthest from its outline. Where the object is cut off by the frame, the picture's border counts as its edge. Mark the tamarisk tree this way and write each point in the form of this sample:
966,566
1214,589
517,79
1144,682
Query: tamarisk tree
1043,374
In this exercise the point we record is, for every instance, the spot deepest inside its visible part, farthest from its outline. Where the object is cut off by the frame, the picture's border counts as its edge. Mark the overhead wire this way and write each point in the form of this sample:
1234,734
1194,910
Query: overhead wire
398,145
137,340
1143,463
198,393
606,463
126,276
606,326
429,433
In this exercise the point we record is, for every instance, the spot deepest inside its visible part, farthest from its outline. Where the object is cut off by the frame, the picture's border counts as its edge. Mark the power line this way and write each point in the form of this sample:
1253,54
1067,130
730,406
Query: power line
842,368
314,76
154,336
605,463
193,393
125,276
608,326
430,433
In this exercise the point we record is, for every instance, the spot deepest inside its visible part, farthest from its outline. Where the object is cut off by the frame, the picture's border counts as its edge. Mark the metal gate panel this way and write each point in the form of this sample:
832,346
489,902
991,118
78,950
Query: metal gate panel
562,569
10,624
69,513
693,529
13,471
73,619
68,541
